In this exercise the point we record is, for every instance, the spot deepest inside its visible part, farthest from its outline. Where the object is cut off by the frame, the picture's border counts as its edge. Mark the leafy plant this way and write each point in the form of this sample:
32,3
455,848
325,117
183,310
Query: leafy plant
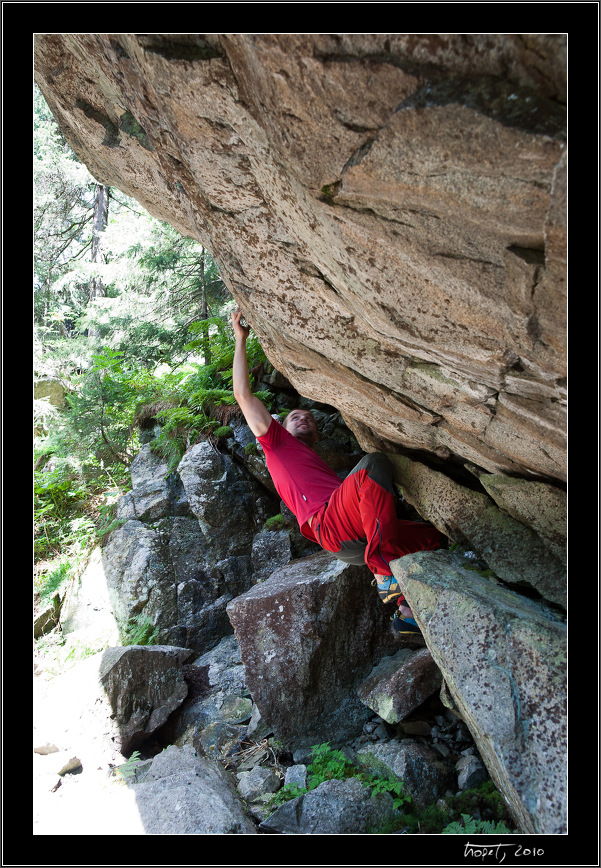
329,764
484,802
55,493
396,788
222,432
128,769
470,826
49,581
139,630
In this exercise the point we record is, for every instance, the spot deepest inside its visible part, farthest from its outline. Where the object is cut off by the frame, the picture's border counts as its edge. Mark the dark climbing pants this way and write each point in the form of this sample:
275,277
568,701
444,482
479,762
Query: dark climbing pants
359,523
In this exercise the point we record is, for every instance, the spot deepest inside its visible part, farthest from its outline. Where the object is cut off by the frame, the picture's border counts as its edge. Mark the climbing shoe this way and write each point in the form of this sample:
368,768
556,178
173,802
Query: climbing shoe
389,589
403,624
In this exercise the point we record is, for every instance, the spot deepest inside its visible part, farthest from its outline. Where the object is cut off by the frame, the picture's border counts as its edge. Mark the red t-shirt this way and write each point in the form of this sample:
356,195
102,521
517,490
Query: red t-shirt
302,479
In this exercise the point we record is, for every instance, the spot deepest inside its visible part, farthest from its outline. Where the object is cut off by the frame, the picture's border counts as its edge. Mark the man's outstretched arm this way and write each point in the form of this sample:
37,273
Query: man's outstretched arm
256,413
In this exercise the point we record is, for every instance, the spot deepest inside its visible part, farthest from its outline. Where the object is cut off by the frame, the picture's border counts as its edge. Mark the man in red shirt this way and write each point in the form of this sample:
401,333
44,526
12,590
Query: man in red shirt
354,518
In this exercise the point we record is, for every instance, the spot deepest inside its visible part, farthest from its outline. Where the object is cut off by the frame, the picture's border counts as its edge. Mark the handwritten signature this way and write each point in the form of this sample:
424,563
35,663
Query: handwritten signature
498,852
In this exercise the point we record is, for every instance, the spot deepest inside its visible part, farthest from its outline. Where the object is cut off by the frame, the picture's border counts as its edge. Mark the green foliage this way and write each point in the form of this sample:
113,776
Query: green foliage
58,495
55,492
396,788
195,402
139,630
276,522
48,582
127,770
469,826
98,435
483,802
329,764
66,552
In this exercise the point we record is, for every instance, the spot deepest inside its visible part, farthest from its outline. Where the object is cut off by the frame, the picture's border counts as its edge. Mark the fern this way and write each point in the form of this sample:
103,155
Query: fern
139,630
329,764
127,770
396,788
468,825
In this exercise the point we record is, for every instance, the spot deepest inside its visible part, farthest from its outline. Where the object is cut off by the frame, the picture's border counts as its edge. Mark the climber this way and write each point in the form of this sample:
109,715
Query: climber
354,518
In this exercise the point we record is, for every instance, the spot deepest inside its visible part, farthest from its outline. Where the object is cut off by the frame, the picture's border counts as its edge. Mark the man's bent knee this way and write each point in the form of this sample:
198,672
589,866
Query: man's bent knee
352,552
379,469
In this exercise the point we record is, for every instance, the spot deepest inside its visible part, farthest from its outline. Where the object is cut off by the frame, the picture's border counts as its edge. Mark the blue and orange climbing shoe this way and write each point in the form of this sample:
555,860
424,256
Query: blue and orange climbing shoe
404,623
389,589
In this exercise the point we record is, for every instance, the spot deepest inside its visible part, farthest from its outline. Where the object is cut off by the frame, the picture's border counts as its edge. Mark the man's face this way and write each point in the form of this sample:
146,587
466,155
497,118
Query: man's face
301,424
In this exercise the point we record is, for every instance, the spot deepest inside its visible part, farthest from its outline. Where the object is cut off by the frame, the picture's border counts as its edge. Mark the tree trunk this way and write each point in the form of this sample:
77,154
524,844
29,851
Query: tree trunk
206,346
101,216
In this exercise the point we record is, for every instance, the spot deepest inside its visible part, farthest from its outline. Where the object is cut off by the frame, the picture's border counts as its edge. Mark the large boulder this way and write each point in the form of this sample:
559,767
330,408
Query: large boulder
503,660
309,635
388,209
110,704
183,549
143,686
184,794
221,499
400,683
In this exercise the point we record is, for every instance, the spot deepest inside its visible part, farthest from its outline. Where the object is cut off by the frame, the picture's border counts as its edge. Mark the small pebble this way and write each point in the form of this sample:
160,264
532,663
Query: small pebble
70,766
45,749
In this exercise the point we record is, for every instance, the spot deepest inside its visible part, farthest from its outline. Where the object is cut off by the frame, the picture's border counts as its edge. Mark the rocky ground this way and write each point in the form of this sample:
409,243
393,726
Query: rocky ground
81,786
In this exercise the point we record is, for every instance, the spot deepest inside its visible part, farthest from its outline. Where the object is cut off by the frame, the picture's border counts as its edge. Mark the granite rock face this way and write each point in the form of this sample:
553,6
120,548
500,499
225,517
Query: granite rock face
184,548
519,528
309,635
184,794
387,209
503,659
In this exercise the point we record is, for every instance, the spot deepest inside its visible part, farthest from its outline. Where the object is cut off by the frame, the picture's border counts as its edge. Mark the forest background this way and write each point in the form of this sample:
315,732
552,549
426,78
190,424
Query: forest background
133,320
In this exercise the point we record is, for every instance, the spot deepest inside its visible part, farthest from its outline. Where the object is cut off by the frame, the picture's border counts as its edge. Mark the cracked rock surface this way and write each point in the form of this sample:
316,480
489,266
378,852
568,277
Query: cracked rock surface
387,209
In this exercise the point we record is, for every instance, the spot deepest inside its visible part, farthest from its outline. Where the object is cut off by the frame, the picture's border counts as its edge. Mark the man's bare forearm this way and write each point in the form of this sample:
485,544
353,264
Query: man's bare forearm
255,413
241,378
